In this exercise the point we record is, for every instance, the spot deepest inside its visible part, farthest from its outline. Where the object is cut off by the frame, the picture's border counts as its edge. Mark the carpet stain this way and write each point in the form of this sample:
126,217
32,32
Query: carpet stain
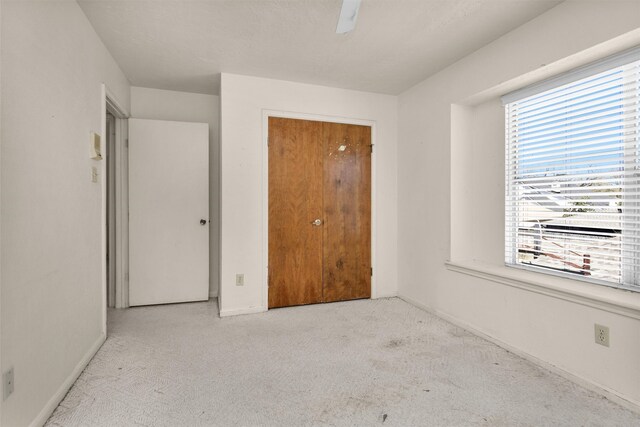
394,343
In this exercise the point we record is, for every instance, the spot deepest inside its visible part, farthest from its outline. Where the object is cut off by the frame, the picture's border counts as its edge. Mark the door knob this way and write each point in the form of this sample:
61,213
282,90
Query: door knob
203,222
316,222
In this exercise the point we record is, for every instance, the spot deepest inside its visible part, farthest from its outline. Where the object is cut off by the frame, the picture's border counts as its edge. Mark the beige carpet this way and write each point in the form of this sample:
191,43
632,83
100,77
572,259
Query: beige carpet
359,363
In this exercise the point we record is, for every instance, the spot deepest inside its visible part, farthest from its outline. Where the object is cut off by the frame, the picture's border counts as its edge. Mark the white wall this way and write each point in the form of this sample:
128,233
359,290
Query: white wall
53,66
451,203
158,104
243,230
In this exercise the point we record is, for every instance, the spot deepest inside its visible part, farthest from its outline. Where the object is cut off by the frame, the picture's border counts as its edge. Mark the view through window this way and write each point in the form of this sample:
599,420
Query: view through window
573,178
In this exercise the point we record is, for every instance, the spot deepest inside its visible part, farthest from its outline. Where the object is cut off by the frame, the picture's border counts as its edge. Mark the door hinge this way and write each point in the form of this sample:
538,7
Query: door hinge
372,271
126,143
371,147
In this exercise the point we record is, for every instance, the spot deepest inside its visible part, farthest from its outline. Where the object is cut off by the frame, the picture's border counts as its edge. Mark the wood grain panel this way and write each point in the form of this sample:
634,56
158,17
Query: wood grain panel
347,211
295,200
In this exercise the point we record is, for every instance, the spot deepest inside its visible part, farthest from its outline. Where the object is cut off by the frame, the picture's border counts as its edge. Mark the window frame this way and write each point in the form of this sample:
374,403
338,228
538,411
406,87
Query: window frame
629,270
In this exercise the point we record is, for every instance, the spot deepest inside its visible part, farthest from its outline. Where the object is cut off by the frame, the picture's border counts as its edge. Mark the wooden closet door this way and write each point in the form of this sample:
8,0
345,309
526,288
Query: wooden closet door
295,201
347,211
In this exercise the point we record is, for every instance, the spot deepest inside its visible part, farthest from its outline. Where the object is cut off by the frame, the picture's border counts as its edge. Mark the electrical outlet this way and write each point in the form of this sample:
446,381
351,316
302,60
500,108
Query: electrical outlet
239,279
602,335
94,174
7,384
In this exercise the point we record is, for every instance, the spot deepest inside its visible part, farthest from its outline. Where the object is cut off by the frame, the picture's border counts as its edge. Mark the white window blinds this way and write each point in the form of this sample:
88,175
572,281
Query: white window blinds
573,174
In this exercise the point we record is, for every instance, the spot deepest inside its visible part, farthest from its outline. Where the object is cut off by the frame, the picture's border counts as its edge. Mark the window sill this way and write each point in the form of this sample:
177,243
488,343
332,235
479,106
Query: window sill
618,301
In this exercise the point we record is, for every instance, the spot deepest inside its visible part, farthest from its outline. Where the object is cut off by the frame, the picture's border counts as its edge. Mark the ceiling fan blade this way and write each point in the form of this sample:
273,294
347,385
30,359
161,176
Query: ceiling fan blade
348,16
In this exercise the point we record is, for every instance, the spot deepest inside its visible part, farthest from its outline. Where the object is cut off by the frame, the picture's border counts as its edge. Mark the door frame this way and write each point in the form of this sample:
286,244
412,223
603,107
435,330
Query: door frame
109,102
110,175
265,189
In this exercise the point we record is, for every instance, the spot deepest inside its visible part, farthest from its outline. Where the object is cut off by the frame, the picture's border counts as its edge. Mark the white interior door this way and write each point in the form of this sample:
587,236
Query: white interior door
168,212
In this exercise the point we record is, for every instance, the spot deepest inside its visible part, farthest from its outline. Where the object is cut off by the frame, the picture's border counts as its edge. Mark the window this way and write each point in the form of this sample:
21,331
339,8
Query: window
572,202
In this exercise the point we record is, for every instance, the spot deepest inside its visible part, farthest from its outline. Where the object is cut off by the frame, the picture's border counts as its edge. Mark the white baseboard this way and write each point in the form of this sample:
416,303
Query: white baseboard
583,382
253,310
381,296
52,404
238,312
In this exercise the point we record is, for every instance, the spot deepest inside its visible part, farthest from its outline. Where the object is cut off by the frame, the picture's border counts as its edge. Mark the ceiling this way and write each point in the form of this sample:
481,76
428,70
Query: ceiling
184,44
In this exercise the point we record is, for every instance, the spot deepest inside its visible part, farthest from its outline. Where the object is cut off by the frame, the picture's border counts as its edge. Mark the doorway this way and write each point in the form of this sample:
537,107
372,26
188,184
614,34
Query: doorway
113,178
319,212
